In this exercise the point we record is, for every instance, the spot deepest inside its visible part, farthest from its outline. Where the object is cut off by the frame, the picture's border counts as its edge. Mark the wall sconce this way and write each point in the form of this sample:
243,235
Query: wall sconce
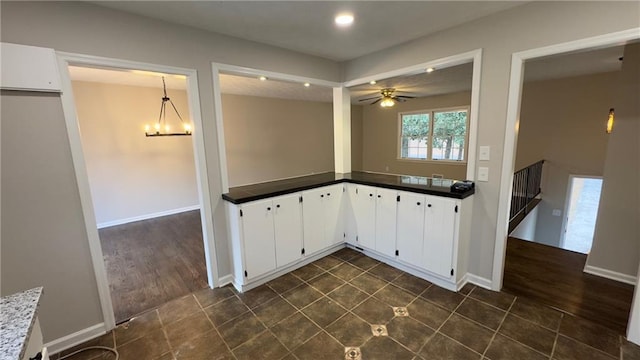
610,121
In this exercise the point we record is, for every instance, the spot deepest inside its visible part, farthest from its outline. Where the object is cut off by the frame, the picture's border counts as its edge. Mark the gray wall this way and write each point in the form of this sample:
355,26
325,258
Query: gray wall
71,303
562,121
532,25
380,137
616,244
44,242
268,139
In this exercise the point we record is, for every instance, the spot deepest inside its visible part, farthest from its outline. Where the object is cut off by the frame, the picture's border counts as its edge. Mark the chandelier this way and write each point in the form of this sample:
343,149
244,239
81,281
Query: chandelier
162,128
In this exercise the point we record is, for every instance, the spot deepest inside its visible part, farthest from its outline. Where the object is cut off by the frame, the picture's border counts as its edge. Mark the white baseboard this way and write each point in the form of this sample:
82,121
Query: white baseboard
225,280
477,280
78,337
593,270
147,216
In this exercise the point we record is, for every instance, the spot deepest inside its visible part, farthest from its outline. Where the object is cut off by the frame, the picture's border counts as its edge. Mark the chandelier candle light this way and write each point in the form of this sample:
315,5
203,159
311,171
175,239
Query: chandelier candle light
161,128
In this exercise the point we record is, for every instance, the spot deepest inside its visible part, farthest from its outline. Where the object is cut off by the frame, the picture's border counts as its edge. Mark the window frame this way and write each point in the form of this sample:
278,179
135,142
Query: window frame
431,113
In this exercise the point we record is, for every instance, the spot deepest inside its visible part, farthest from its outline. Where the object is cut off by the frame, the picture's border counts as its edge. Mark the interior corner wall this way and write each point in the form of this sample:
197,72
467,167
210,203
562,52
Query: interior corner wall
133,176
380,137
44,242
70,303
269,139
562,121
616,243
529,26
356,137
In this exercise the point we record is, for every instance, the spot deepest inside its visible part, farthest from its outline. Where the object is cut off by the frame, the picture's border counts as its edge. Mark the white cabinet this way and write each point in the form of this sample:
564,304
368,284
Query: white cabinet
411,228
439,235
322,218
287,221
270,236
363,203
386,208
258,237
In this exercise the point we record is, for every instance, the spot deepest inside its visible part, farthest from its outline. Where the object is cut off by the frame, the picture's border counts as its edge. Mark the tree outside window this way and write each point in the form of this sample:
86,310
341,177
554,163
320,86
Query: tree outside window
433,135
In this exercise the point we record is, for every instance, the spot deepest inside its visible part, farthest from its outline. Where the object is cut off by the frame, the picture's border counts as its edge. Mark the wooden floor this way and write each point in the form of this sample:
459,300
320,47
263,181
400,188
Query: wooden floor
554,276
153,261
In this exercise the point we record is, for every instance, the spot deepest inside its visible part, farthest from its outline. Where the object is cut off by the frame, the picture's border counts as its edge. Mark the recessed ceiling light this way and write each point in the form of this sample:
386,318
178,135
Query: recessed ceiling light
372,82
430,70
307,84
263,78
344,19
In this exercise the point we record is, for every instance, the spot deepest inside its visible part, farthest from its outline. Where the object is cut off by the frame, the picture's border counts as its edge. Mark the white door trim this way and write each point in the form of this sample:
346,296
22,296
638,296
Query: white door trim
511,130
73,132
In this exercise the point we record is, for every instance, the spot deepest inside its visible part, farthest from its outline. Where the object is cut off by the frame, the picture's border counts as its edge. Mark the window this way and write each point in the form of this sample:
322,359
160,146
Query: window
434,135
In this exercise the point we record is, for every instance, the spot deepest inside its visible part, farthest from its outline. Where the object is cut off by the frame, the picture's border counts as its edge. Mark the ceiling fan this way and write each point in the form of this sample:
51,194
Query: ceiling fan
387,98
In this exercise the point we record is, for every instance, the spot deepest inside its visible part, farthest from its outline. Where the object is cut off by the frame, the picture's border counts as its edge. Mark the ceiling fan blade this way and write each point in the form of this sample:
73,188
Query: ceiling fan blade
371,98
375,102
405,96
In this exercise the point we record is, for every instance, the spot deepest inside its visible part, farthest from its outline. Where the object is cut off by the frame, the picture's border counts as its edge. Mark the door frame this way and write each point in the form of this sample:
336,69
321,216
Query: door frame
73,131
513,123
567,204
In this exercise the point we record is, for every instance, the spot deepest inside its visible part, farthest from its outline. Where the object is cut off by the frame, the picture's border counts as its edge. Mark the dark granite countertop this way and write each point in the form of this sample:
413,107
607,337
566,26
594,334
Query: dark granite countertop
418,184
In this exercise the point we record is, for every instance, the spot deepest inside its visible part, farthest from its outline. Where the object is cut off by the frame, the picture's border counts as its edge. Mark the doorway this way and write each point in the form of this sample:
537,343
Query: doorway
197,215
583,200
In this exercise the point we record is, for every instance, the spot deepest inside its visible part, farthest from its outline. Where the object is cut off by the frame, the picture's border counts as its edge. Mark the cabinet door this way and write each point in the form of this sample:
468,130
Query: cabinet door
439,235
258,238
349,214
385,233
334,228
411,228
364,207
313,220
287,221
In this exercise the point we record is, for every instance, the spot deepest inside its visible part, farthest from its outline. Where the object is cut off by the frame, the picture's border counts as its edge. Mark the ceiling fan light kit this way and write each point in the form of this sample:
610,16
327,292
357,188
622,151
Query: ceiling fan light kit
387,98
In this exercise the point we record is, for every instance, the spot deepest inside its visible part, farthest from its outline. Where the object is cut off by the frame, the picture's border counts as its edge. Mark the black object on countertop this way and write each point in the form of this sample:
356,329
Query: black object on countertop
417,184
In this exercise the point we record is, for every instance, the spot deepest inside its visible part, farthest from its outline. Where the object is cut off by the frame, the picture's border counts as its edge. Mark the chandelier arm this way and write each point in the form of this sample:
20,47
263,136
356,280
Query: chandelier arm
176,110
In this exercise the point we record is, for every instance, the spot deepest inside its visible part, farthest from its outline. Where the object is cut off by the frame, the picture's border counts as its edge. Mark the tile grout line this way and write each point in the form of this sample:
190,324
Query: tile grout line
493,337
555,341
214,325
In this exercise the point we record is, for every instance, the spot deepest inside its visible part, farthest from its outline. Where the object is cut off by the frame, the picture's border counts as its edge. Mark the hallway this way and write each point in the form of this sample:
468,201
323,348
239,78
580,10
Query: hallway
554,277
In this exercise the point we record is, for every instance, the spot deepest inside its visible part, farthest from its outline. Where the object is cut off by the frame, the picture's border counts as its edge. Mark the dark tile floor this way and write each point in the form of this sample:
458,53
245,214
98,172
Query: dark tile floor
347,306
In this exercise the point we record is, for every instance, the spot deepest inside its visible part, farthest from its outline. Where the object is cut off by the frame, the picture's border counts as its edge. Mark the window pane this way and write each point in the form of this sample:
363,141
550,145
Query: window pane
449,134
415,129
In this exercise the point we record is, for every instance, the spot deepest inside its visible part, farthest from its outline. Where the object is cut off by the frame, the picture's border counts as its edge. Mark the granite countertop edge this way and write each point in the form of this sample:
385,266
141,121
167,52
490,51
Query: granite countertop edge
17,314
338,178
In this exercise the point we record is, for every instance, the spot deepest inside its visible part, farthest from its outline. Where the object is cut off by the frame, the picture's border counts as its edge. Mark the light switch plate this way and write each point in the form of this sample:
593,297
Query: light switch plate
483,173
556,212
485,153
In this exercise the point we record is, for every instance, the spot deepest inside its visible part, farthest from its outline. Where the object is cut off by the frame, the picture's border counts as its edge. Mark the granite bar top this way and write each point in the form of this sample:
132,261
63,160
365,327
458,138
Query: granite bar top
17,316
418,184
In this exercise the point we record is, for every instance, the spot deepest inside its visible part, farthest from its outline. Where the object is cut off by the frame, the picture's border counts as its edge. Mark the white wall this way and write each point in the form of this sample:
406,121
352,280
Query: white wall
133,176
526,230
533,25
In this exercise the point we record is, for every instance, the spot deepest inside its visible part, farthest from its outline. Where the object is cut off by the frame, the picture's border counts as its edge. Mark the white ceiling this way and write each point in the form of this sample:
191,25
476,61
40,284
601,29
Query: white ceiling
308,26
574,64
127,77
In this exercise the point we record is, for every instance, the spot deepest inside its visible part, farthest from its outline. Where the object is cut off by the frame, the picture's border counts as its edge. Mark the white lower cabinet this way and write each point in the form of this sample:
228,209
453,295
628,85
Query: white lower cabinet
386,209
271,235
410,231
425,234
439,235
322,218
